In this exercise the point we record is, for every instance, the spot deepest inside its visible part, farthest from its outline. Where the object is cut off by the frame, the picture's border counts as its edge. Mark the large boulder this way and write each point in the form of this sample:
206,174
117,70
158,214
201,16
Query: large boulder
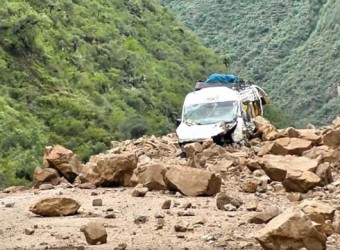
310,135
151,176
300,181
332,138
55,207
291,230
267,130
276,166
45,176
290,146
64,161
191,181
110,170
324,154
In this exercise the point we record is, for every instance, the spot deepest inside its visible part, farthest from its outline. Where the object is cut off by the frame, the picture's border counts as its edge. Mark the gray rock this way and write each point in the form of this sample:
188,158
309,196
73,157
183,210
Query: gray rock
97,202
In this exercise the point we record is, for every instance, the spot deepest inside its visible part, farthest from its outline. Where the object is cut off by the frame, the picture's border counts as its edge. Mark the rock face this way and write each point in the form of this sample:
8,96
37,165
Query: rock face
95,233
45,176
291,230
110,170
151,176
55,207
191,181
64,161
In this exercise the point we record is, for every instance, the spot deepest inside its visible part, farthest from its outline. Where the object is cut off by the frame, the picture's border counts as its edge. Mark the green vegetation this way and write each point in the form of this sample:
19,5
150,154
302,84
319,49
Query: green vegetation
291,48
82,73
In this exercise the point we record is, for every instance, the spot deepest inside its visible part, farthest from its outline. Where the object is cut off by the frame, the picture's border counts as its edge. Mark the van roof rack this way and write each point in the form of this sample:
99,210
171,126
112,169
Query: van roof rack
235,86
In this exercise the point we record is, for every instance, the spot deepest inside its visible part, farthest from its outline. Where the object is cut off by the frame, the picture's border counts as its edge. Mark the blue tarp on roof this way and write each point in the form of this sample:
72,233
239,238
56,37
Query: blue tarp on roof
222,78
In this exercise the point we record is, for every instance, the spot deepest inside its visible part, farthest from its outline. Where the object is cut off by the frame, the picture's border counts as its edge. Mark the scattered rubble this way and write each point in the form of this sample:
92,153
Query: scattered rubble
284,189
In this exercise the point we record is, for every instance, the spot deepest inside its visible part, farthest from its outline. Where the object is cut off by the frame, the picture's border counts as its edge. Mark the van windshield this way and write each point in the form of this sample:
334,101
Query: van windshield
209,113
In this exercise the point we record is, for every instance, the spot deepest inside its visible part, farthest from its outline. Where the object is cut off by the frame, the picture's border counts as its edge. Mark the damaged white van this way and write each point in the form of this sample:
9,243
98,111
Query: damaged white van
223,112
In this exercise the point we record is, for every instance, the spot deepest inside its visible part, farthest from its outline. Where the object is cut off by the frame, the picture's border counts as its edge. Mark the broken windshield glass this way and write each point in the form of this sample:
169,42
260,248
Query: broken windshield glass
209,113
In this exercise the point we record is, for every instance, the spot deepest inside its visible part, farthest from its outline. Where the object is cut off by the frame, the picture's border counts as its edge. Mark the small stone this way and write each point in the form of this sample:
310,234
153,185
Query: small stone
208,238
176,204
139,191
46,186
265,216
181,226
109,209
180,236
186,213
200,221
160,223
140,219
29,231
11,204
95,233
87,185
159,215
97,202
277,186
295,197
223,199
250,186
166,204
230,208
82,229
94,193
121,246
110,216
178,195
252,205
187,205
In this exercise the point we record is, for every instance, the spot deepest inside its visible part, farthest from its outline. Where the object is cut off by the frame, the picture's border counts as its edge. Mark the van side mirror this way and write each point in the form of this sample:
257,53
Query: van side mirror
178,121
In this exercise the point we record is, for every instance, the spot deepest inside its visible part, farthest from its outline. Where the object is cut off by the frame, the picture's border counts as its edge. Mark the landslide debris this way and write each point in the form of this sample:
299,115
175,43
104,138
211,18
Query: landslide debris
286,200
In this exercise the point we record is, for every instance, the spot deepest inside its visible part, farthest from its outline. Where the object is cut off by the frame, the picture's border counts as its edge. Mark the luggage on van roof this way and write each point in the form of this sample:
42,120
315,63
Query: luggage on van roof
222,78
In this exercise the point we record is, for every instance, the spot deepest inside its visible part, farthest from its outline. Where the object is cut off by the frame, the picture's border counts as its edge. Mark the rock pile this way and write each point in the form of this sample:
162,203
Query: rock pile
298,161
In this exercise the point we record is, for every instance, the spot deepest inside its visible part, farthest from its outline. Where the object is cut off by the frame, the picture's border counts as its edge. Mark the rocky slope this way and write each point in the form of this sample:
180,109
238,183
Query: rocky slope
281,192
82,73
289,47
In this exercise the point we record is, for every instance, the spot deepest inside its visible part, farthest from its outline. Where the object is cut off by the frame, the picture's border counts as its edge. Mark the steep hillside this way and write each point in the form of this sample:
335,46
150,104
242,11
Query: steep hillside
82,73
290,47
